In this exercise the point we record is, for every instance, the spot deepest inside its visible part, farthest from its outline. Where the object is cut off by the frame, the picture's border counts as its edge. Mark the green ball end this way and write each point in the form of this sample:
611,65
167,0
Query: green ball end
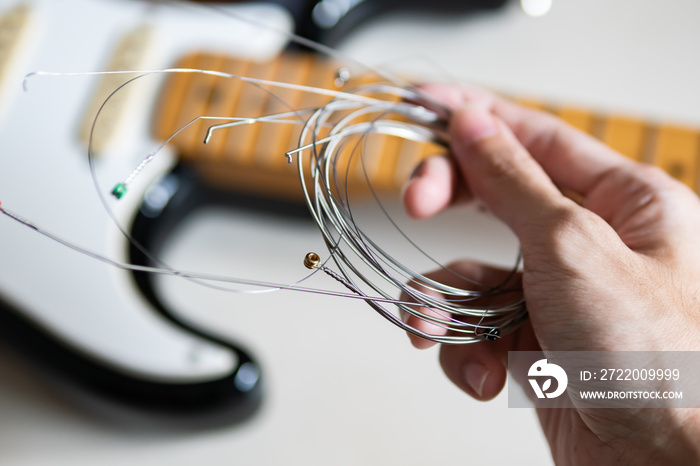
119,190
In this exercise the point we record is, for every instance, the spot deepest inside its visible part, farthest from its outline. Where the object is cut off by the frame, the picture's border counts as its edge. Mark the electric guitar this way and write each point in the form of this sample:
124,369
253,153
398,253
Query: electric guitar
101,328
109,330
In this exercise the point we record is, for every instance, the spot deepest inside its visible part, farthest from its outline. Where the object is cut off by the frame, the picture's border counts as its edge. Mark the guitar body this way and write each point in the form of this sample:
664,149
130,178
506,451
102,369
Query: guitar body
84,320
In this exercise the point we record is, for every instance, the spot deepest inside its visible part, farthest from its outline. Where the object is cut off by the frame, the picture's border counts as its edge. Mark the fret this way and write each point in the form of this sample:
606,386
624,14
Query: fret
172,99
223,101
276,139
578,118
676,150
241,140
252,157
196,101
626,135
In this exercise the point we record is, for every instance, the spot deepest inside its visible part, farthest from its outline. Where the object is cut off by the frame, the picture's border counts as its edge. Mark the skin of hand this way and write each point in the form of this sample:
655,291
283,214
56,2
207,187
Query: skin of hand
619,270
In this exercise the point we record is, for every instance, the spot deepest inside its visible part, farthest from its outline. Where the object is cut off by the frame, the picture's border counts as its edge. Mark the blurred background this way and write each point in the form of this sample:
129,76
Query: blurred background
340,385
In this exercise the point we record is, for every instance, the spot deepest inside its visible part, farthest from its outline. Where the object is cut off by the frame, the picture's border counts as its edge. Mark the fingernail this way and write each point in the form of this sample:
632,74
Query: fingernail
418,171
476,375
473,123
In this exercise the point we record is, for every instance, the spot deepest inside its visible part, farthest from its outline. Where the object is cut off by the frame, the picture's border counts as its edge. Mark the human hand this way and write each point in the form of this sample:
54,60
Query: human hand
619,271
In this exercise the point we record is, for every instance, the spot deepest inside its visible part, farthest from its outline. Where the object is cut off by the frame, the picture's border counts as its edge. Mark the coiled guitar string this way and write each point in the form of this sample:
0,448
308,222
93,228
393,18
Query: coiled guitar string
461,315
454,311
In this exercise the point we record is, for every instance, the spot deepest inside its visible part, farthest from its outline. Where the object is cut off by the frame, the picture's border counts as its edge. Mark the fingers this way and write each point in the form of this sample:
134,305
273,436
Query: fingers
466,275
501,172
572,159
433,186
495,142
480,369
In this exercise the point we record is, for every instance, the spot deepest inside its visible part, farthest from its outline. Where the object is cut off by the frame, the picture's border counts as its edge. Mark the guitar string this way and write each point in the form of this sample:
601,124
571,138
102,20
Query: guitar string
343,129
439,314
330,206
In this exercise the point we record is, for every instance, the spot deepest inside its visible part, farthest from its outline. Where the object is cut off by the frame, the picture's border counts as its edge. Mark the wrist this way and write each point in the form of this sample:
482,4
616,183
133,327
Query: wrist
683,436
668,436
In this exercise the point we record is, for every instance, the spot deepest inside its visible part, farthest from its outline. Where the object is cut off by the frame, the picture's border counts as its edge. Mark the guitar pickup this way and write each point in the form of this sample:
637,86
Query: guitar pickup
129,54
15,26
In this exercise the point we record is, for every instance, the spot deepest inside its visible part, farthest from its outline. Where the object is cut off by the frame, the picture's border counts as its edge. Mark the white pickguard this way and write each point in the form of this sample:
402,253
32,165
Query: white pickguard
44,177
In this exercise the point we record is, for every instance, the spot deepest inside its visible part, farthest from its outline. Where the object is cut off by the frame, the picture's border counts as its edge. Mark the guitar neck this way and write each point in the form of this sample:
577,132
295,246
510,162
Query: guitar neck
251,158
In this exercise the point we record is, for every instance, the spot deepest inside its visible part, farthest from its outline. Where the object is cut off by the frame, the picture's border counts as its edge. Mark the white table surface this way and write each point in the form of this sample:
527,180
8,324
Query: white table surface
344,387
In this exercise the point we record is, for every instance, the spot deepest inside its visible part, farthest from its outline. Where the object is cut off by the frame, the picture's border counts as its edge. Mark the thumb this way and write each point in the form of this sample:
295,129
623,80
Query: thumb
501,172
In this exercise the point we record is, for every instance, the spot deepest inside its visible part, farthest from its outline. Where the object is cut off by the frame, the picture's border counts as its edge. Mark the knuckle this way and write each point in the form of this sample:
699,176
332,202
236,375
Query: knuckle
649,172
654,178
566,227
649,177
503,160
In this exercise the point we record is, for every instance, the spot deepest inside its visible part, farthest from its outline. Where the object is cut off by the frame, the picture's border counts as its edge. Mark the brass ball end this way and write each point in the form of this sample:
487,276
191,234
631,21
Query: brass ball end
312,260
